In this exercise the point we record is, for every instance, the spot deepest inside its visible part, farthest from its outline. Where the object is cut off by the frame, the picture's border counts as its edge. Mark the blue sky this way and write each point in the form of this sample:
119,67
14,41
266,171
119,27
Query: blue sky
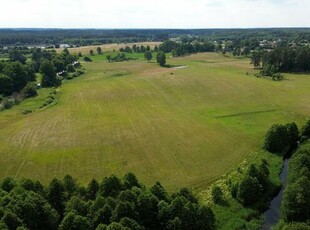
155,14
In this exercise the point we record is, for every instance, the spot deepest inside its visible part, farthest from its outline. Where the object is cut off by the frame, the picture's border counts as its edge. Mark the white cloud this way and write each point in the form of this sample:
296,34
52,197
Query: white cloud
155,14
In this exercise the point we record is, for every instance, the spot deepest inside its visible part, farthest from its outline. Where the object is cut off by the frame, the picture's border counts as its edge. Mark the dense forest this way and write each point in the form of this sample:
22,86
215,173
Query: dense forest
82,37
110,204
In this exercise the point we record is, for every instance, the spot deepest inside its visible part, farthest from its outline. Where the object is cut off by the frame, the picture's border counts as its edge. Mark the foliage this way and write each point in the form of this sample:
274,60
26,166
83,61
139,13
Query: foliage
296,226
19,74
99,50
280,137
6,84
296,198
112,204
186,47
217,194
161,58
249,191
48,74
87,59
148,55
70,68
30,90
16,55
306,129
283,59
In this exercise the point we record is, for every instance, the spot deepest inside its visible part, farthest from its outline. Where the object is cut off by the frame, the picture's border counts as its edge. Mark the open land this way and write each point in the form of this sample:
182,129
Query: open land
180,126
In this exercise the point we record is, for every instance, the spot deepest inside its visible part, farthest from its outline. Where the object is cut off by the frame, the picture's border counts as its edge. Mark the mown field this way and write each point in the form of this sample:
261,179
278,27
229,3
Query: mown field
109,47
180,126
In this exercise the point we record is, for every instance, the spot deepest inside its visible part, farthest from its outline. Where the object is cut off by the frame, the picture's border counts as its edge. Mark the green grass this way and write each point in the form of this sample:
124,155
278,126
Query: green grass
231,214
182,127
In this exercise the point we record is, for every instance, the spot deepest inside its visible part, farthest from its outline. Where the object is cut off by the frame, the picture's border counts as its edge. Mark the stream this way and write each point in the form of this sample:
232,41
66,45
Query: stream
272,215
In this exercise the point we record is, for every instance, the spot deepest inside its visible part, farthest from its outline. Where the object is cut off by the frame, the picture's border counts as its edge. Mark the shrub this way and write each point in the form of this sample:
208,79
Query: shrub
70,68
80,72
296,201
306,129
277,77
70,77
269,70
217,194
27,111
49,100
249,190
87,59
276,139
8,103
296,226
30,90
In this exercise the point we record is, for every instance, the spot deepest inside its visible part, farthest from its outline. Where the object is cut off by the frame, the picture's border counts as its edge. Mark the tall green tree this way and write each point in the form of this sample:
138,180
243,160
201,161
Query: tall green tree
256,59
161,58
99,50
277,139
15,55
148,55
48,74
6,85
296,201
57,196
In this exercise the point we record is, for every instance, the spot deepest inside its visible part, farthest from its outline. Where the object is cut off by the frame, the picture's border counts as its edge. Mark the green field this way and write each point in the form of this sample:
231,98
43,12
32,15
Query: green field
180,126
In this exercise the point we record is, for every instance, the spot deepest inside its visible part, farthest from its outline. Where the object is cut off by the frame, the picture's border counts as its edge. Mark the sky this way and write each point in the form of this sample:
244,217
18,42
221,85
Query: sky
154,13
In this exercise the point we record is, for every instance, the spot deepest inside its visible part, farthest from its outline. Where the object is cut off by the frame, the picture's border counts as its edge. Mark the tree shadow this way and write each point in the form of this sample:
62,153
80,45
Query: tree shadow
223,203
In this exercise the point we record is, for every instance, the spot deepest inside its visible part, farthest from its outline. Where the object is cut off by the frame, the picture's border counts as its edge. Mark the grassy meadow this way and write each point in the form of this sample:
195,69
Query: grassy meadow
180,126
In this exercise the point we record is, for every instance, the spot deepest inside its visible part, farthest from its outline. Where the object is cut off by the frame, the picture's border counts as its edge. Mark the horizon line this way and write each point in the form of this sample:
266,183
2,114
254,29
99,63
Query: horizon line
155,28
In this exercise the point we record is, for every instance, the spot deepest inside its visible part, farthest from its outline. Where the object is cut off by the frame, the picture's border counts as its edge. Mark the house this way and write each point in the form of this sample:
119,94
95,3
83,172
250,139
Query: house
64,46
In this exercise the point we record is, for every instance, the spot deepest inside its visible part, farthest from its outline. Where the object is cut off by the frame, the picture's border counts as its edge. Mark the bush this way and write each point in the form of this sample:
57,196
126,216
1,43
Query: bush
87,59
306,129
30,90
27,111
217,194
269,70
80,72
49,100
277,77
70,68
296,226
296,201
277,139
8,103
70,77
249,191
6,85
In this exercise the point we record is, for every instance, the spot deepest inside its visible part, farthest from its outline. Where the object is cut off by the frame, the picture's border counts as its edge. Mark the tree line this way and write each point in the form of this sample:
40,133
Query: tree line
295,206
82,37
111,204
282,59
186,47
